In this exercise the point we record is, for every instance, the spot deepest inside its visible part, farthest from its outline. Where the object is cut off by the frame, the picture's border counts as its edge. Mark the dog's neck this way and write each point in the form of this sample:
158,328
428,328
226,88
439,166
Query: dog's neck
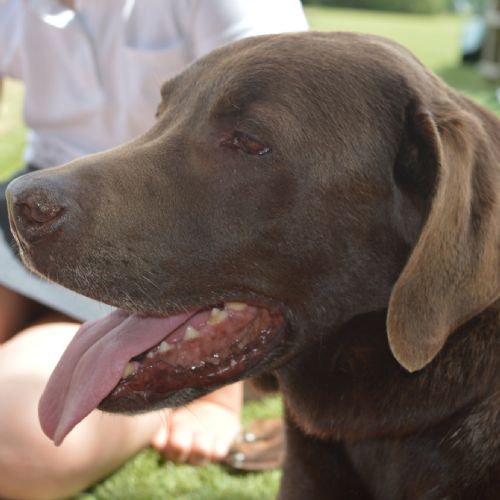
350,387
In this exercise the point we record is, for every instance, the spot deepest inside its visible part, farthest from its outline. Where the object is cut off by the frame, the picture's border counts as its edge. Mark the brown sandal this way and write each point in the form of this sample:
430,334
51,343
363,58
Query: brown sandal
258,448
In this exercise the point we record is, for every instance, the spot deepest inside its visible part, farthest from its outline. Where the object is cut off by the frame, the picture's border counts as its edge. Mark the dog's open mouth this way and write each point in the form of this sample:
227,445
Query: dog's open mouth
131,363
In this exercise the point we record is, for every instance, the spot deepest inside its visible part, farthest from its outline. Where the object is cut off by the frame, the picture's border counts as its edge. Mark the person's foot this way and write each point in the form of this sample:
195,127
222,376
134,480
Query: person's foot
204,430
260,447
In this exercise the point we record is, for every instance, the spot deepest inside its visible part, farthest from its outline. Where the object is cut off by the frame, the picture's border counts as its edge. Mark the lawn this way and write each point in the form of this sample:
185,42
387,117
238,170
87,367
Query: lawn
12,132
435,41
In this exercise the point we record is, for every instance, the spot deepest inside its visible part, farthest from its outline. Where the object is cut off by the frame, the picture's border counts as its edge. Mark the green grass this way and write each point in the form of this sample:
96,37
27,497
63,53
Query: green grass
12,131
147,477
435,41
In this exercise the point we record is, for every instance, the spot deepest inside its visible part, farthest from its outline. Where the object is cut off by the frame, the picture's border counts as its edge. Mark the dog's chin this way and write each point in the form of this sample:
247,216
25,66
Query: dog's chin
230,343
133,405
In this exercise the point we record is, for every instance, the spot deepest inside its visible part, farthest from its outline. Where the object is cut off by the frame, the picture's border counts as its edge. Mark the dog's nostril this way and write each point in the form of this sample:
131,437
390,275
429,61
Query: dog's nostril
38,211
34,214
36,207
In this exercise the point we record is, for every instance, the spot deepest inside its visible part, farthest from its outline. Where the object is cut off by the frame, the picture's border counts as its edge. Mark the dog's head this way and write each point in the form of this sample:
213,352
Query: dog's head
294,181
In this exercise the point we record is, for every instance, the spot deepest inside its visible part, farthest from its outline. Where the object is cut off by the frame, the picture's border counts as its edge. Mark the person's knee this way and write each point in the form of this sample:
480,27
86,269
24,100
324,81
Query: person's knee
32,468
30,465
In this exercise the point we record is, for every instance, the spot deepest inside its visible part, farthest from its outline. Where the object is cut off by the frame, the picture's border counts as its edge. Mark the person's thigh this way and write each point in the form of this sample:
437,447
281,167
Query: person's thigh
30,465
16,311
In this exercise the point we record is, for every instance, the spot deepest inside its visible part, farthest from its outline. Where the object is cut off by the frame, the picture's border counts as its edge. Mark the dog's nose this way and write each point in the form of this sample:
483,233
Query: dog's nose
34,210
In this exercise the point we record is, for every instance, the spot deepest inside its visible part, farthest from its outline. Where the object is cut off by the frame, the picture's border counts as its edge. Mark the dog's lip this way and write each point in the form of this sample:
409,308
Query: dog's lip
167,311
234,340
94,361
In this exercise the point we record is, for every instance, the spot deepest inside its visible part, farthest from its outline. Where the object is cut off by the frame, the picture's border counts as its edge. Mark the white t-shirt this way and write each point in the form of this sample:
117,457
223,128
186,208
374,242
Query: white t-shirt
93,75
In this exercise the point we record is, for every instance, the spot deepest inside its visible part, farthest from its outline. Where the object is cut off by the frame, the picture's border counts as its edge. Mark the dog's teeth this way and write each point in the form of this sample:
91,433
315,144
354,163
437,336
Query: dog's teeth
236,306
215,358
191,333
165,346
150,354
217,316
129,369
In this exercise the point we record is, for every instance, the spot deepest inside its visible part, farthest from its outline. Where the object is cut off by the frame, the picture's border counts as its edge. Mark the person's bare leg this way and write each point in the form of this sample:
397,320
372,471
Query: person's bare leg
31,467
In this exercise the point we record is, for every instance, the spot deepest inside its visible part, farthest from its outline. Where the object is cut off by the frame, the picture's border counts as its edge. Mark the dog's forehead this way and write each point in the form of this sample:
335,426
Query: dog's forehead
283,81
279,69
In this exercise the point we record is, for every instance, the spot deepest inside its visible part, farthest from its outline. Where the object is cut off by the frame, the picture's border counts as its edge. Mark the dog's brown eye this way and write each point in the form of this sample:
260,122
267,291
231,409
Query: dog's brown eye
245,143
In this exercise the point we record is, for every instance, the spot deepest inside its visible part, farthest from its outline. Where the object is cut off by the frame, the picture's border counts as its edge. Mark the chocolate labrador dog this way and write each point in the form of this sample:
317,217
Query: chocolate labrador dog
318,211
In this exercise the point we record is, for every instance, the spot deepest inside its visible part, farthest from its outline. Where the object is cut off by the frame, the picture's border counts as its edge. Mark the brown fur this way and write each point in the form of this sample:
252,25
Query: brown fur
373,222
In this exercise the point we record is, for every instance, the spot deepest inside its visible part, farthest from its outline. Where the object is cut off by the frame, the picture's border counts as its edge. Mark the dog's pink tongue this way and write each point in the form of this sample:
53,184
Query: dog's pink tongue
93,364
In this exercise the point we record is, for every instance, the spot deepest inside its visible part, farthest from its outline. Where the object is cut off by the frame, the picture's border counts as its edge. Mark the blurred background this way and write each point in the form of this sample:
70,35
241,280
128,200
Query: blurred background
459,40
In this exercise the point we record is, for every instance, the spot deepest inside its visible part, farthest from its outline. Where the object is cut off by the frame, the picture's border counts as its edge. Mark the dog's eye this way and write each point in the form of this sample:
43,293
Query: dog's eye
245,143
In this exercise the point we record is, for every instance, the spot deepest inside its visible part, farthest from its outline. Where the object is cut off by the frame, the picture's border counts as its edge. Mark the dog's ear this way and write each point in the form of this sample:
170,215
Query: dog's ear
453,272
